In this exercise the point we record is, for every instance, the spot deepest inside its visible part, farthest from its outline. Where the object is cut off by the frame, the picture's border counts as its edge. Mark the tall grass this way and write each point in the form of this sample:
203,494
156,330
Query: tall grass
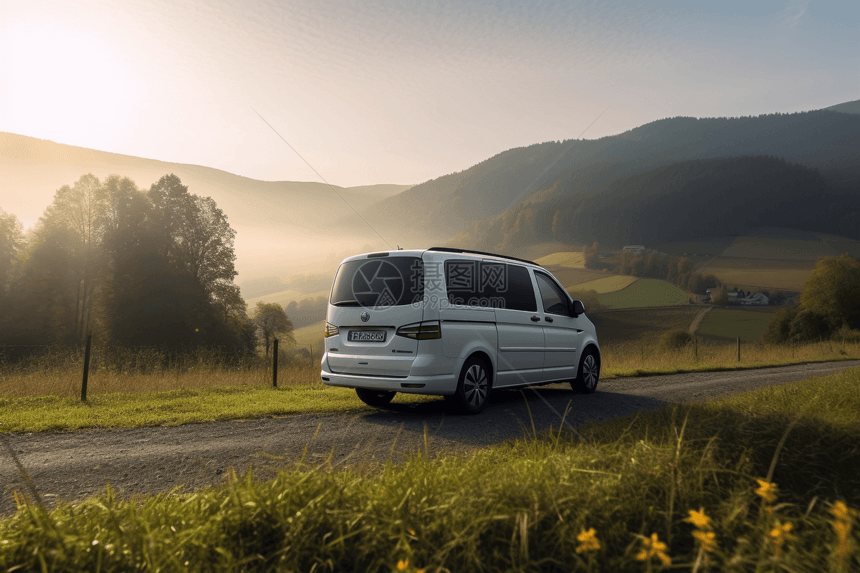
58,371
649,356
771,477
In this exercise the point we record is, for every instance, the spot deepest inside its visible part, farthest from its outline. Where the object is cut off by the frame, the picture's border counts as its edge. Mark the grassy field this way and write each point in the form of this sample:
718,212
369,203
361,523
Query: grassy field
310,335
284,298
806,249
48,400
607,284
748,483
761,273
564,259
570,277
644,292
732,323
638,323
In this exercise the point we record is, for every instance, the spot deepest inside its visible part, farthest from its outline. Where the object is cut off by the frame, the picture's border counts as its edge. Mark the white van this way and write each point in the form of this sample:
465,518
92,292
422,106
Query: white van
455,323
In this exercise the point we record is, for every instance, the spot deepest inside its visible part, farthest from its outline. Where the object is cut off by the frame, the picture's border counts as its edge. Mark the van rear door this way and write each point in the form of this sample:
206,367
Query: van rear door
371,299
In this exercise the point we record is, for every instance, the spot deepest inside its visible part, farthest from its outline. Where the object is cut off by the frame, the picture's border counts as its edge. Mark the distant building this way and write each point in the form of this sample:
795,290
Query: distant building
757,299
635,249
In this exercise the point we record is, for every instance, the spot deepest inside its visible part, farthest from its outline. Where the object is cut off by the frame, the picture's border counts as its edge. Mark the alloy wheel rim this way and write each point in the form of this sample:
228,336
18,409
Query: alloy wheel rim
475,385
589,371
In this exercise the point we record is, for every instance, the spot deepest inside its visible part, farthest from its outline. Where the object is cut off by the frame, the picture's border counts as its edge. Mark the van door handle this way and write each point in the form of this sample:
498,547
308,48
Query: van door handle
547,318
535,319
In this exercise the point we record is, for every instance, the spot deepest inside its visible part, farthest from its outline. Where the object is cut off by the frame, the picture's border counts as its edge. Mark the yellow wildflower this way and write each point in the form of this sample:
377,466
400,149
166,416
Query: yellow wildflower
767,490
842,512
403,565
842,526
653,547
780,535
587,541
699,519
708,540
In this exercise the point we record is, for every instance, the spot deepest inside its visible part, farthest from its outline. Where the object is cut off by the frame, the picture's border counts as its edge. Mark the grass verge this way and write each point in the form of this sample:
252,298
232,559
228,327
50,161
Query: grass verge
205,395
763,481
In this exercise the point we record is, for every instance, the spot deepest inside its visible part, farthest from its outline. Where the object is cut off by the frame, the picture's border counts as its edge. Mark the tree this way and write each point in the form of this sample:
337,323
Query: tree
832,292
11,240
80,209
720,296
271,320
590,254
200,238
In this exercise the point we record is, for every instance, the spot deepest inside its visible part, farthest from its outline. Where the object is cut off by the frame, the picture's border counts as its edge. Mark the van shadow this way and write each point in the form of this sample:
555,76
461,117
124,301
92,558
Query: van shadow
510,414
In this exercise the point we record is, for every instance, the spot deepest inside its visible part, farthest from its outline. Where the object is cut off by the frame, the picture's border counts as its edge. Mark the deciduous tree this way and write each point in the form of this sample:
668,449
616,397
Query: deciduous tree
272,320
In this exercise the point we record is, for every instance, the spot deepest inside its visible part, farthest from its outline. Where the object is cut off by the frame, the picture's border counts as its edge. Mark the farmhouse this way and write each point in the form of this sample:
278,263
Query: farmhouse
757,299
744,298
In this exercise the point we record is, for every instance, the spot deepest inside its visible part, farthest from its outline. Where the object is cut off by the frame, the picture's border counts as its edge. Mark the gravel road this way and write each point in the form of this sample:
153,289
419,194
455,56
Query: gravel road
72,466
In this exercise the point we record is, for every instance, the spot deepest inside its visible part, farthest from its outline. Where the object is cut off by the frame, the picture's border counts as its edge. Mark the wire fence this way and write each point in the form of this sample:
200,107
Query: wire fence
65,371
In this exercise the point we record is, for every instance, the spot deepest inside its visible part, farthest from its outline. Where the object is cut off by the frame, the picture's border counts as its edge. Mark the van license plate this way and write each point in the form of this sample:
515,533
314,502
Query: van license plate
367,336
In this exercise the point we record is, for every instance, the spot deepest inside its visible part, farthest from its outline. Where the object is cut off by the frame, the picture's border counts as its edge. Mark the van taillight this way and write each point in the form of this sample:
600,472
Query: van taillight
331,330
421,330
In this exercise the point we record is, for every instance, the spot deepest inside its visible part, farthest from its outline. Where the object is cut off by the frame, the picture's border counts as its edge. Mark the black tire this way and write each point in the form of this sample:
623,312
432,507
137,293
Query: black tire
474,387
588,373
375,398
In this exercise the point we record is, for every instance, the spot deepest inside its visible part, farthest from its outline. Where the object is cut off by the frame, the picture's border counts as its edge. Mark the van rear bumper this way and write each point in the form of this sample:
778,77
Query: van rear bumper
444,384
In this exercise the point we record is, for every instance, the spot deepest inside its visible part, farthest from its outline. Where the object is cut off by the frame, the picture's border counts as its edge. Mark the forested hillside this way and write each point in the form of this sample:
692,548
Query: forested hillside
825,140
690,199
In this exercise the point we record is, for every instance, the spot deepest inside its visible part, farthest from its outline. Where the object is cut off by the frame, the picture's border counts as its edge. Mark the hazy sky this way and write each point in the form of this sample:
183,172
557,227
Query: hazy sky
401,92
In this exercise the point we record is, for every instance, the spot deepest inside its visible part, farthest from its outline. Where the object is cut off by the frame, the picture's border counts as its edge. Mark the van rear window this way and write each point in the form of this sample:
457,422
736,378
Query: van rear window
489,284
379,282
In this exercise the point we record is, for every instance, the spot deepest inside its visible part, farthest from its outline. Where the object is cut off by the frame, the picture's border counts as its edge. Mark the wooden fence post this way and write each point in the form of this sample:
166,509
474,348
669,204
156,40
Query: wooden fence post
275,364
86,368
696,348
739,348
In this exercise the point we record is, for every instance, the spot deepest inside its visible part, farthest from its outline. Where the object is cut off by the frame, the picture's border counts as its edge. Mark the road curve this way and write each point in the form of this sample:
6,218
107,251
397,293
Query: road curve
75,465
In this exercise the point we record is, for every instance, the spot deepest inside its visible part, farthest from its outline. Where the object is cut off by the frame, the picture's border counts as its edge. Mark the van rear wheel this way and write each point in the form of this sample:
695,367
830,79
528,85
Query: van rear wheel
375,398
473,388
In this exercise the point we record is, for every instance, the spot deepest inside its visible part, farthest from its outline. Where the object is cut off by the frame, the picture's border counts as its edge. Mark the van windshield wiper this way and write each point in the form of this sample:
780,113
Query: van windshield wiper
346,303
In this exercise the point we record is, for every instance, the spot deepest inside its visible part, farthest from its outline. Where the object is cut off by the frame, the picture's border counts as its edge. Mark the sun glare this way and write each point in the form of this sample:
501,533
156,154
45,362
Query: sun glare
62,83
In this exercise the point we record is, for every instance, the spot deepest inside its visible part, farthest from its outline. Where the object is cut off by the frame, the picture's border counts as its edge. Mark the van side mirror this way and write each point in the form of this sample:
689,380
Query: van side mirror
577,308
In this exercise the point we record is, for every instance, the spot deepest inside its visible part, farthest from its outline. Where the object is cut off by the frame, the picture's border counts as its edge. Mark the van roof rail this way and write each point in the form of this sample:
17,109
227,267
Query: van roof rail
469,252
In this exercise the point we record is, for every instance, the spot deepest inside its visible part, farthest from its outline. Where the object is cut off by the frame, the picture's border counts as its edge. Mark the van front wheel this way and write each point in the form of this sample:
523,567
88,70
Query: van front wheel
375,398
473,388
588,374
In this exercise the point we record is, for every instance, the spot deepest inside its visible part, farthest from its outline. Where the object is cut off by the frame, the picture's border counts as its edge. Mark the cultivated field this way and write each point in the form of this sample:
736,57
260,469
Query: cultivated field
761,273
782,249
607,284
570,278
564,259
640,323
644,292
724,323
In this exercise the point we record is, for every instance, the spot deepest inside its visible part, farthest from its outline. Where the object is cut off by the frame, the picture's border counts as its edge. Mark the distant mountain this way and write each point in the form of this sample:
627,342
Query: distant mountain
825,140
847,107
281,225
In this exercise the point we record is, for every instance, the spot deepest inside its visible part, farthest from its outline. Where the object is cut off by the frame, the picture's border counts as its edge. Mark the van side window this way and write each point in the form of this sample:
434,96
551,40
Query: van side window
520,294
554,301
489,284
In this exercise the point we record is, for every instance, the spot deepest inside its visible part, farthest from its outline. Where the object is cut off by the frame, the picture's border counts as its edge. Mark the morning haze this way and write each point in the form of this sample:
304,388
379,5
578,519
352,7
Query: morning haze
657,369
